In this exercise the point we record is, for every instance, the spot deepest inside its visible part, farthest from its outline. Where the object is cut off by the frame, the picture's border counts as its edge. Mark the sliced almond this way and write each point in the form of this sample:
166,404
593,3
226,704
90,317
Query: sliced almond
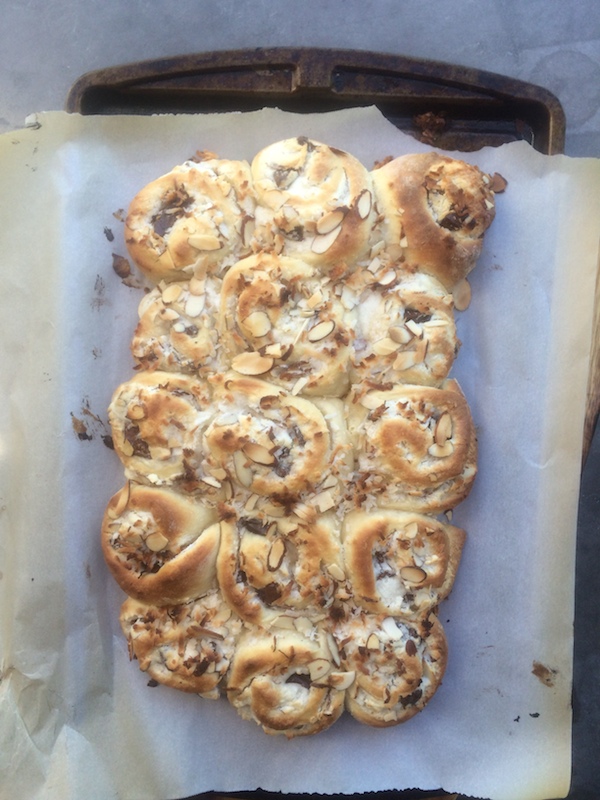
411,530
371,401
194,305
441,450
204,241
385,347
156,541
461,295
259,454
333,648
273,510
443,429
196,286
251,363
330,482
330,220
284,621
373,642
374,264
303,625
287,526
341,680
413,574
251,502
400,334
168,314
322,243
336,572
171,293
363,204
321,330
276,554
391,630
257,324
324,501
318,668
388,277
315,299
414,327
160,453
244,475
275,350
209,480
406,360
299,385
123,499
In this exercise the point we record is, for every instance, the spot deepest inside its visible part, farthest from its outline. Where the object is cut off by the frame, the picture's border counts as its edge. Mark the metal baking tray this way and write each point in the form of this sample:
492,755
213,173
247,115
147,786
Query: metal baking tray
443,105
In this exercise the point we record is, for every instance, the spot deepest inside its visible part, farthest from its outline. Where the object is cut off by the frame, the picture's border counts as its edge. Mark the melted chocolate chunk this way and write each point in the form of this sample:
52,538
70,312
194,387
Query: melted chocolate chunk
303,680
269,593
416,316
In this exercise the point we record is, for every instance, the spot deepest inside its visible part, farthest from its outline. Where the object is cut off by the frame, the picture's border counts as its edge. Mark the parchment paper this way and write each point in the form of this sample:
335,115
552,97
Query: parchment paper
76,718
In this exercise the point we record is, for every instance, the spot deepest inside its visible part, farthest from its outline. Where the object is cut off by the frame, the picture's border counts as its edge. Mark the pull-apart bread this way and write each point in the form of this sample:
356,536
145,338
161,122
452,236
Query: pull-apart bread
292,439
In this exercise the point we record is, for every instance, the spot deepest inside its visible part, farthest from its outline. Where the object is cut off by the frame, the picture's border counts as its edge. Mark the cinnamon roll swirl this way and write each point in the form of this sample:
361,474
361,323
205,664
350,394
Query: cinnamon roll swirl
281,308
416,447
273,570
177,329
160,546
398,664
404,329
188,646
434,212
400,563
286,682
315,202
196,217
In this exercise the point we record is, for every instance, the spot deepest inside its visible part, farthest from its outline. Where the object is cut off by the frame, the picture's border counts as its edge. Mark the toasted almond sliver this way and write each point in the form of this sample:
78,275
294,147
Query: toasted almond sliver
388,277
299,385
244,475
461,295
414,327
371,400
257,324
341,680
400,334
251,363
322,243
211,481
287,526
171,293
194,305
169,314
204,241
122,501
363,204
276,554
156,541
385,347
373,642
411,530
318,668
441,450
405,360
389,627
336,572
321,330
413,574
196,286
324,501
443,429
259,454
333,648
330,220
315,299
251,502
275,350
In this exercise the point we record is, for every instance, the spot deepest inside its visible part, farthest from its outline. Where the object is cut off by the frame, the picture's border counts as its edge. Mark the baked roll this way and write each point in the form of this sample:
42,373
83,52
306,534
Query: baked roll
273,570
282,309
160,546
274,444
434,211
315,202
287,682
188,646
416,447
398,664
196,217
400,563
404,328
157,419
177,329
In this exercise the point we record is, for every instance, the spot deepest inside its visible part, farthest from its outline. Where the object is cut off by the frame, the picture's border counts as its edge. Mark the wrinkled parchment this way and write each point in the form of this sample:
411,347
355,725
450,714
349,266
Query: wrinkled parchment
76,718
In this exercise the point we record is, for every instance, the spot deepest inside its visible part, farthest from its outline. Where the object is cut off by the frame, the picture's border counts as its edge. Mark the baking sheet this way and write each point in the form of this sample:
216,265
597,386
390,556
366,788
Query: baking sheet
76,718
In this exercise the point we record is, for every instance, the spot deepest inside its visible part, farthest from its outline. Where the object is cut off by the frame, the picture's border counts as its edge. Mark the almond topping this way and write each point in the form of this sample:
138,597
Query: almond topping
211,481
462,295
411,530
251,364
373,642
405,360
363,204
400,334
243,473
121,504
341,680
287,526
204,241
169,314
321,330
333,648
413,574
156,541
136,412
385,347
196,286
443,429
315,299
414,327
257,323
276,554
259,454
322,243
273,510
330,220
387,278
303,625
325,501
275,350
171,293
336,572
299,385
389,627
251,502
194,305
127,448
318,668
179,327
441,450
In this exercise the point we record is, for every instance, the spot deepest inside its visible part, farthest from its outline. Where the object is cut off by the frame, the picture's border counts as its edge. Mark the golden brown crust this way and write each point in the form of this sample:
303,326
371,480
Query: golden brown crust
315,202
188,646
191,219
400,563
416,446
398,665
281,308
286,682
160,546
435,211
